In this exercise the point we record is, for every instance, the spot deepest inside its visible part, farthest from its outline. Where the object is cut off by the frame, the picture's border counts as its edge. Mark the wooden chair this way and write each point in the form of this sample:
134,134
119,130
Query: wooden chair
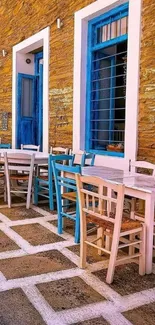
5,146
65,179
108,216
59,151
143,165
30,147
82,158
44,184
138,206
19,163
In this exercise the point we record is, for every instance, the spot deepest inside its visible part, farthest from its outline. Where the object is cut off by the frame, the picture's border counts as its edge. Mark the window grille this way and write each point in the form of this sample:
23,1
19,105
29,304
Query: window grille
106,91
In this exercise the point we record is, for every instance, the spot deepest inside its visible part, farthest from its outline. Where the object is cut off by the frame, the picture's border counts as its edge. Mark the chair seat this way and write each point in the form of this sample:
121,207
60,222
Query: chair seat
69,196
1,174
43,177
127,223
19,177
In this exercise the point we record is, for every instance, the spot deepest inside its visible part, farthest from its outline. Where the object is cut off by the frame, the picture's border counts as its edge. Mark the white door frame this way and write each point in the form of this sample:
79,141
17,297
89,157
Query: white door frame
31,43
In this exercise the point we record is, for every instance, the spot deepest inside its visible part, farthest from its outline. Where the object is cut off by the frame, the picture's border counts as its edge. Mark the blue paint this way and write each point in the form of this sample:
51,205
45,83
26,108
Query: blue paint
39,98
45,188
25,124
70,186
92,98
5,146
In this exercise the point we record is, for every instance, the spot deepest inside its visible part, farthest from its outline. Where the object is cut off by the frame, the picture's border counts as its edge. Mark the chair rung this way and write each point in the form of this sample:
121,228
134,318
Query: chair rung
130,244
128,257
68,216
100,248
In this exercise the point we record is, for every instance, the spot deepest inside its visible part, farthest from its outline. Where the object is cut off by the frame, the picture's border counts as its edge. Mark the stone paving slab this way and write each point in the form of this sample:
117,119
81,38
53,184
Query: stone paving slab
31,265
16,309
36,234
95,321
19,213
144,315
6,244
44,280
69,293
92,257
127,279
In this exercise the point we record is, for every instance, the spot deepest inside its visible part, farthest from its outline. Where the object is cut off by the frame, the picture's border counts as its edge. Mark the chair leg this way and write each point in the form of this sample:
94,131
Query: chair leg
112,261
36,191
77,224
83,245
100,242
142,262
51,198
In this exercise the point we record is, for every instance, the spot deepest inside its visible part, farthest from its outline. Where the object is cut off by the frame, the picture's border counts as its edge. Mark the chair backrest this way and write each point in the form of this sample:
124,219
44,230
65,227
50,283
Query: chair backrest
30,147
19,162
88,159
61,159
5,146
144,166
65,175
82,158
59,150
98,199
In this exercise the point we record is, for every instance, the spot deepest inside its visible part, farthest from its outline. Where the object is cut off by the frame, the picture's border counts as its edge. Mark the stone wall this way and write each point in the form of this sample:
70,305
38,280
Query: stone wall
21,19
146,125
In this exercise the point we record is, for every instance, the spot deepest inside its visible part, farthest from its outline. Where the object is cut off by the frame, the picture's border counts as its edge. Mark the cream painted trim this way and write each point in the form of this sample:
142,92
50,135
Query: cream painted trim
80,63
39,39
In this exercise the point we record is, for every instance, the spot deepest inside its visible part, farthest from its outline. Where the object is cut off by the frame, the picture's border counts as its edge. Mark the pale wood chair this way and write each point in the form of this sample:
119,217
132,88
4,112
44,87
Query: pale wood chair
138,206
58,151
143,165
18,164
30,147
107,213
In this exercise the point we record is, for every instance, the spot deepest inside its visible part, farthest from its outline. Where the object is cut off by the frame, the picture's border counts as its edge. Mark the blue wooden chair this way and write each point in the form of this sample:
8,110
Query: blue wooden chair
65,179
44,184
5,146
84,159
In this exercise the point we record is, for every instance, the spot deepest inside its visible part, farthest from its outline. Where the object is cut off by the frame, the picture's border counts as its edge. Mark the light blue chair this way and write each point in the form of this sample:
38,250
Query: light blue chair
69,197
44,185
5,146
85,157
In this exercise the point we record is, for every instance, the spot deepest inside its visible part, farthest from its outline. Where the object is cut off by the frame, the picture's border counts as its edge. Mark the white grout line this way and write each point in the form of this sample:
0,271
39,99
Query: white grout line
12,254
54,246
2,277
99,286
4,218
42,306
16,238
11,223
136,300
72,256
115,318
42,278
54,229
83,313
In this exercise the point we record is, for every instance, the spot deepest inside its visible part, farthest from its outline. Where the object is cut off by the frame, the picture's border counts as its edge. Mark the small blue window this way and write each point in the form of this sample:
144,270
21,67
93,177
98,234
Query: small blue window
106,82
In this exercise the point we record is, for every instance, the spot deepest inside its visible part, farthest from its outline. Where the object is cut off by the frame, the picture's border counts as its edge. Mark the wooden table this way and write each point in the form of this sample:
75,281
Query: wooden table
137,186
40,157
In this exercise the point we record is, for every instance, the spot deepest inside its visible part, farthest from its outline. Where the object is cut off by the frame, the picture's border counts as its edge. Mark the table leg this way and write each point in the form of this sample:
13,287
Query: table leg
149,220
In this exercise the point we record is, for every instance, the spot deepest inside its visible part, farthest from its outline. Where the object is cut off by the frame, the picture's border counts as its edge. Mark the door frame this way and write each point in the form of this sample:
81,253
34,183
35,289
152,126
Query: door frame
38,40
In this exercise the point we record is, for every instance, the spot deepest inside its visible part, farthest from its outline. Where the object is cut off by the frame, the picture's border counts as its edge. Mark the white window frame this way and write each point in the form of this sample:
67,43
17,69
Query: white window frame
82,18
37,40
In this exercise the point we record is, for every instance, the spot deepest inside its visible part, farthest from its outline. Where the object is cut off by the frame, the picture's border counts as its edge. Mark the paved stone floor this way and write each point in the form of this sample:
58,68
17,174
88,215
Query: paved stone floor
40,282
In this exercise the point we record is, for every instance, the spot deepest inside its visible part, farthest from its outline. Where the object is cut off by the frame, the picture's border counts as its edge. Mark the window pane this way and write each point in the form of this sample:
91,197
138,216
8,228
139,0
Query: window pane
108,97
26,101
110,31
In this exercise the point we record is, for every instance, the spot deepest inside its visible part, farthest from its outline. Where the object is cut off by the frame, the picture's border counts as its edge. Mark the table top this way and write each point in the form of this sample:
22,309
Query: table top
40,157
136,181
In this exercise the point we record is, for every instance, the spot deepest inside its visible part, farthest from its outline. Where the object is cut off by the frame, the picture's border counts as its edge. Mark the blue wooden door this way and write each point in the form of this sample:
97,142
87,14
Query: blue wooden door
26,110
39,91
